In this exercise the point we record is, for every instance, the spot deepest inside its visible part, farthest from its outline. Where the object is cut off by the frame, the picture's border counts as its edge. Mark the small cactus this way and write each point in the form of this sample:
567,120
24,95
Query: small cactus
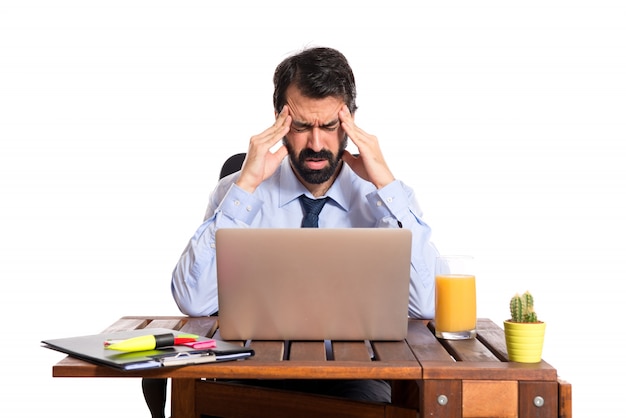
522,308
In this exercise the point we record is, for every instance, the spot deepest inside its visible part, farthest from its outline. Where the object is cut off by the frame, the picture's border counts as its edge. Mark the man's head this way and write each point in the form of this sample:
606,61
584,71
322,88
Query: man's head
315,84
318,73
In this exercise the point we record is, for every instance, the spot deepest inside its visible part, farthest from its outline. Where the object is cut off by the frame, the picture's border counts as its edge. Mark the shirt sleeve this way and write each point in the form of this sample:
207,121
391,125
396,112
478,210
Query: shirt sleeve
194,279
395,206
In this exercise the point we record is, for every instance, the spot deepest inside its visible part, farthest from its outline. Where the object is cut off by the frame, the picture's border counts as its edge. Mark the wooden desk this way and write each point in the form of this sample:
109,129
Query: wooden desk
441,379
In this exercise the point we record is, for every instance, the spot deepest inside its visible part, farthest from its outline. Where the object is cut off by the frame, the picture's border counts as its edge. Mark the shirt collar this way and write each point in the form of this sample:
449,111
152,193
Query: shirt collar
291,188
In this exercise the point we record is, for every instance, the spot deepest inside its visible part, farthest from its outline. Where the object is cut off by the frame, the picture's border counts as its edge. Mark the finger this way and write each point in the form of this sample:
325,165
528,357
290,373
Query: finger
349,126
283,121
275,133
281,131
344,114
281,152
345,117
283,125
282,115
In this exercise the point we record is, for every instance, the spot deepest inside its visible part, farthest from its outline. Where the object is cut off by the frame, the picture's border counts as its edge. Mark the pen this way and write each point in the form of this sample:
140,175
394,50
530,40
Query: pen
149,342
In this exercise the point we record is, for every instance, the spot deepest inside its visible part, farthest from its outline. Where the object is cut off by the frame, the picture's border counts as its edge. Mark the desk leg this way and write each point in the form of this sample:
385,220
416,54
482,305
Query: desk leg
565,399
405,393
441,398
183,398
538,399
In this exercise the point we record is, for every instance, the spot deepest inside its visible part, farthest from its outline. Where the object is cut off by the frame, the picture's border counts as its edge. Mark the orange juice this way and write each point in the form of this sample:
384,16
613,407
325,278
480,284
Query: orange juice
455,303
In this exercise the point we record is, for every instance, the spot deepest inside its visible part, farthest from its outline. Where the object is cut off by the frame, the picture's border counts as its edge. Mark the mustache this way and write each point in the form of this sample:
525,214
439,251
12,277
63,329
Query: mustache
321,155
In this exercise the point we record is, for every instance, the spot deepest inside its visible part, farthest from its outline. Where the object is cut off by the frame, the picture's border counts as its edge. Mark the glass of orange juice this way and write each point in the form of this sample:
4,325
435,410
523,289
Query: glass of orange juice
455,298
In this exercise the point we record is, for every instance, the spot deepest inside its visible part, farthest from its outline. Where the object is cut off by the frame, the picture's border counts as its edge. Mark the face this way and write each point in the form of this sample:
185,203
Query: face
315,141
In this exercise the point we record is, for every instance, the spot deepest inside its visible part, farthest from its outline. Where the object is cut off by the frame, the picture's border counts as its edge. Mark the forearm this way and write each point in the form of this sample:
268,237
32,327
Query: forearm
194,279
422,286
194,284
397,208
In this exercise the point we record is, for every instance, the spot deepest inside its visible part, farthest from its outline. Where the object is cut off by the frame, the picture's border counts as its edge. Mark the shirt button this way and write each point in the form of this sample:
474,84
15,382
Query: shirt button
389,199
379,203
237,203
212,245
249,208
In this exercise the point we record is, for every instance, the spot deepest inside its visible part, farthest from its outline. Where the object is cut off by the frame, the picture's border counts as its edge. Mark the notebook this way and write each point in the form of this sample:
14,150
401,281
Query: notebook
91,348
313,283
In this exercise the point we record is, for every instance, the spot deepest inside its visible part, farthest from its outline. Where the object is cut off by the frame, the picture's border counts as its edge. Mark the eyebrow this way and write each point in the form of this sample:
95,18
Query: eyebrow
301,124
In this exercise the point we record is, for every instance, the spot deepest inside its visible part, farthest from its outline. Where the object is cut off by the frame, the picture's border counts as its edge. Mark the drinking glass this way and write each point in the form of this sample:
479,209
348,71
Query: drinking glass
455,298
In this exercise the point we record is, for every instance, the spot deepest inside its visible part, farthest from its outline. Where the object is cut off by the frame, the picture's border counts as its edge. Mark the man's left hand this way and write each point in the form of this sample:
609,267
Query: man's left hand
370,164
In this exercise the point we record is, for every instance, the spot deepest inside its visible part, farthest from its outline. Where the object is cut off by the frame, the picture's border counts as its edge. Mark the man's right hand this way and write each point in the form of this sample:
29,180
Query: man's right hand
261,162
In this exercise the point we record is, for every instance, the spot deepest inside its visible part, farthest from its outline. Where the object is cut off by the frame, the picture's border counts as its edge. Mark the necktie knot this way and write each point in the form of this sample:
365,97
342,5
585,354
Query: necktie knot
312,209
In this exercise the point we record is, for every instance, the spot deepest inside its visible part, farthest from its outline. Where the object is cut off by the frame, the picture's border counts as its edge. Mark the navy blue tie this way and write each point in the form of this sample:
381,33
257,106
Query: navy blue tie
312,209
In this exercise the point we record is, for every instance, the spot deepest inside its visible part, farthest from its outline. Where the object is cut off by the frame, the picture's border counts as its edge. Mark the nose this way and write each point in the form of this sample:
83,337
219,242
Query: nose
315,141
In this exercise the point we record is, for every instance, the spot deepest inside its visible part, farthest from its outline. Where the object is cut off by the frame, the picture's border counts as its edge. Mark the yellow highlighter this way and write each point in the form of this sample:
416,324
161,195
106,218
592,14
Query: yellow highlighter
148,342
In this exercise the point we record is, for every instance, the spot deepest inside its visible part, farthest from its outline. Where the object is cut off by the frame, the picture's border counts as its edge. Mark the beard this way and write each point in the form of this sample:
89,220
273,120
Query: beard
298,162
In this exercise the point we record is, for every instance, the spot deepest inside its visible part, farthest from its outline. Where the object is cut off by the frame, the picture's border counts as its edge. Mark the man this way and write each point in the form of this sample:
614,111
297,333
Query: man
314,102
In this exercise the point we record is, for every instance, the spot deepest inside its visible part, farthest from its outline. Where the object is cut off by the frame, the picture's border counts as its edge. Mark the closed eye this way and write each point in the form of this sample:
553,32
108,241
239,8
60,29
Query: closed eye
303,127
330,127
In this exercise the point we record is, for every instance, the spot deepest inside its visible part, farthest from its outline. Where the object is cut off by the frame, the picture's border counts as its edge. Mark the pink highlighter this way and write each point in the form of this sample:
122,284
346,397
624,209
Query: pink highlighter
199,345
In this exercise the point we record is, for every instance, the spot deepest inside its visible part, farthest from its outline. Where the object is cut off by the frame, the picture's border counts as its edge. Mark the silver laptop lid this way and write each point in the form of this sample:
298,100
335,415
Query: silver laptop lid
313,284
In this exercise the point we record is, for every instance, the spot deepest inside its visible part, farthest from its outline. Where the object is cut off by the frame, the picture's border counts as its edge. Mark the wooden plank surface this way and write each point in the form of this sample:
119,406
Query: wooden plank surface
351,351
424,345
205,326
465,371
487,370
267,351
492,336
478,359
469,351
250,369
390,351
474,359
307,351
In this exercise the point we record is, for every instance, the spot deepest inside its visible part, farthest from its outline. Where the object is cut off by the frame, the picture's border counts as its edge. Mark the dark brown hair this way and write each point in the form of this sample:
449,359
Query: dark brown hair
318,73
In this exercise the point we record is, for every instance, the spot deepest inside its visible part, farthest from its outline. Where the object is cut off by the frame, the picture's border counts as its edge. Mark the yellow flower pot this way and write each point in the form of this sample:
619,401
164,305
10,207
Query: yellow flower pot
524,341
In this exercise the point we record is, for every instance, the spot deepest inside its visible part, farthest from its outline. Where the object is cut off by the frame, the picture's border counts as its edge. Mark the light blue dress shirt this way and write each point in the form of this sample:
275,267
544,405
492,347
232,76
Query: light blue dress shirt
353,203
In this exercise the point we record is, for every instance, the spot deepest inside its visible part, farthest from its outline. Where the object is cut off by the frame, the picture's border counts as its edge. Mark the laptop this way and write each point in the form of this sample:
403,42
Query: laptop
313,283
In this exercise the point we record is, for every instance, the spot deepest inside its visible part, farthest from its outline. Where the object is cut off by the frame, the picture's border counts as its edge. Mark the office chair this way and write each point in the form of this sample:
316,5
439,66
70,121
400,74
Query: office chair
218,397
232,164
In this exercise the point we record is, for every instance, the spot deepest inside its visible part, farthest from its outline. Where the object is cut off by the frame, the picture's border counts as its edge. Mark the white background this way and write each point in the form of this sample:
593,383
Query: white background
507,118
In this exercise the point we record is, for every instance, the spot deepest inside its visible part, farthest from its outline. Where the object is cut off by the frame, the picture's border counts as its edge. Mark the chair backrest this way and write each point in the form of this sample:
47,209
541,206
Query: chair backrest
232,164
